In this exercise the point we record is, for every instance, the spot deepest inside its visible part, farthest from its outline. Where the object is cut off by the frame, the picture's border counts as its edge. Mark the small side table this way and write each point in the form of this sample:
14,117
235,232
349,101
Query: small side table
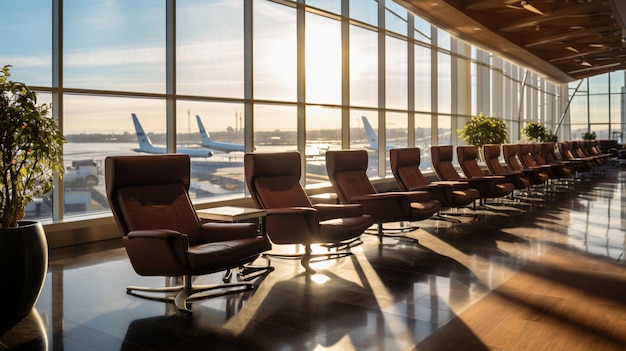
234,214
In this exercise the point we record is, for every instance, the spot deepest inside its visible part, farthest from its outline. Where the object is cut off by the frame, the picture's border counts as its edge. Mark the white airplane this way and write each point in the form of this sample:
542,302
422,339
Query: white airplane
206,141
145,145
372,138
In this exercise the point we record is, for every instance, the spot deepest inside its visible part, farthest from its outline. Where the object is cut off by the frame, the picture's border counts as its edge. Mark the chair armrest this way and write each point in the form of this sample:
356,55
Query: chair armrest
169,246
420,196
292,225
213,231
332,211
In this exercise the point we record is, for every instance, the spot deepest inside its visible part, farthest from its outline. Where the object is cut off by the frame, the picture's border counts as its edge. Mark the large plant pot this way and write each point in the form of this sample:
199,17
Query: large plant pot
23,268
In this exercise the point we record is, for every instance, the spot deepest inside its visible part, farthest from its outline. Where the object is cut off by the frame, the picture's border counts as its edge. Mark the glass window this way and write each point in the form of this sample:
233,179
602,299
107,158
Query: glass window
364,135
601,130
209,52
599,84
396,74
618,79
444,39
365,11
396,18
96,127
599,108
323,132
422,30
578,109
444,83
323,60
31,59
215,127
363,67
397,132
275,128
116,45
422,79
275,53
423,139
333,6
444,131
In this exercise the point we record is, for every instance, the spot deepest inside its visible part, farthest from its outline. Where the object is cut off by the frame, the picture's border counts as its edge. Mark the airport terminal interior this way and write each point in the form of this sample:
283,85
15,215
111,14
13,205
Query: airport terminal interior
541,267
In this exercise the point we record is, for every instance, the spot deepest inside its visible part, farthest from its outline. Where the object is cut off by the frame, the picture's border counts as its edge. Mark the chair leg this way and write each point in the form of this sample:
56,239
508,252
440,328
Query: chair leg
186,292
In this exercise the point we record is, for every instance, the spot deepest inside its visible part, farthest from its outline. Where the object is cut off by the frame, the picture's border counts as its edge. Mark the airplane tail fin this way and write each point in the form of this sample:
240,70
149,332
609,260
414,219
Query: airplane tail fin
142,137
372,138
204,135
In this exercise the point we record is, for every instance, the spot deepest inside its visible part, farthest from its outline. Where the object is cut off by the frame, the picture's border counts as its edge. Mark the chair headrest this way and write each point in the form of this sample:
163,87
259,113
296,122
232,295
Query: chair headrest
400,157
346,160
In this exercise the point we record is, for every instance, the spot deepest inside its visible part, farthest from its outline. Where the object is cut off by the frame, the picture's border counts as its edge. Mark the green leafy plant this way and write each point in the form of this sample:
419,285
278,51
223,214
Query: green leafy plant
535,131
31,149
589,136
481,130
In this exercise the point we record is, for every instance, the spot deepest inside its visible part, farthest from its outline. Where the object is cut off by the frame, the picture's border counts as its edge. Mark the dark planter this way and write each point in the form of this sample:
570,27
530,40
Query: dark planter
23,268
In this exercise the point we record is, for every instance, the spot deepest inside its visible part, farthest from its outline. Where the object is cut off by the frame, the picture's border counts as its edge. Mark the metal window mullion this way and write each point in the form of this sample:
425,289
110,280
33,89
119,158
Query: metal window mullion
58,193
382,135
170,79
411,80
345,74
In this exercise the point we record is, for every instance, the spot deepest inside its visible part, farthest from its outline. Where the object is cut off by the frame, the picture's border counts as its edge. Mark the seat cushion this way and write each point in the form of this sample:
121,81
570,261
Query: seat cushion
215,255
340,229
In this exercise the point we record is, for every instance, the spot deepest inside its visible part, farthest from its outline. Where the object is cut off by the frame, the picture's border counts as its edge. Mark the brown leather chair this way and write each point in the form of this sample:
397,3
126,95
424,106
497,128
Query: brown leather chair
510,153
347,171
581,164
405,166
499,186
273,180
526,156
557,171
442,156
492,153
163,236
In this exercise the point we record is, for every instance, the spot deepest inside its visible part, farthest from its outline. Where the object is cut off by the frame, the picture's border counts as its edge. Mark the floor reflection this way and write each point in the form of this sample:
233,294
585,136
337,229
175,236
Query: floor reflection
550,275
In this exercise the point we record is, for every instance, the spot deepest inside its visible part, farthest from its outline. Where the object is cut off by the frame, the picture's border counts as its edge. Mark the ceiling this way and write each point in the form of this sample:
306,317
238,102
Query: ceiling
563,40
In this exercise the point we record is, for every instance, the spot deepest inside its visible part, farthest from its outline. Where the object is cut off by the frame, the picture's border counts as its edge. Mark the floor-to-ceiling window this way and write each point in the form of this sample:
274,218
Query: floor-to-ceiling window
215,79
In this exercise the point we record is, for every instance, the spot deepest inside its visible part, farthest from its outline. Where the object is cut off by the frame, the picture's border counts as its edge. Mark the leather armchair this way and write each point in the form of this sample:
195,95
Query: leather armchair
405,166
273,180
510,153
163,236
492,153
347,171
487,186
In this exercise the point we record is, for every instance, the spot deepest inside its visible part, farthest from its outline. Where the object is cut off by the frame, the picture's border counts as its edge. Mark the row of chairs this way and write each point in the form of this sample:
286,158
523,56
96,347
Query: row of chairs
163,235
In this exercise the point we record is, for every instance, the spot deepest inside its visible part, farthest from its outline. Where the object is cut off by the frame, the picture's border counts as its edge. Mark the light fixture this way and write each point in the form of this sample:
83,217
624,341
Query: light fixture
570,48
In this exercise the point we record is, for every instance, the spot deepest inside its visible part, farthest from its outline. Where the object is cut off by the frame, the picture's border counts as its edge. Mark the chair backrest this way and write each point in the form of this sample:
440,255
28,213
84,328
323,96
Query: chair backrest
347,171
442,162
510,152
526,155
273,179
405,166
468,160
492,158
549,153
151,192
539,152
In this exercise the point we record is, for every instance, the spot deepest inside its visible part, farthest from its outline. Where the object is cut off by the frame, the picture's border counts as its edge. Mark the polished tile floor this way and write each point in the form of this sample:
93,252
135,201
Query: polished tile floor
539,273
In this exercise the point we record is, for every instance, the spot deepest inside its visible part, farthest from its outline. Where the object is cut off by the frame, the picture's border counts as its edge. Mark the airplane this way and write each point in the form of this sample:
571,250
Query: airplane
207,142
372,138
145,145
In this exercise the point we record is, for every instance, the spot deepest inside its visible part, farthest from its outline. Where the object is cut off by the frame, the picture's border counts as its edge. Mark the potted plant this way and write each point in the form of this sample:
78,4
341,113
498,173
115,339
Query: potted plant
589,136
535,131
31,151
481,130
